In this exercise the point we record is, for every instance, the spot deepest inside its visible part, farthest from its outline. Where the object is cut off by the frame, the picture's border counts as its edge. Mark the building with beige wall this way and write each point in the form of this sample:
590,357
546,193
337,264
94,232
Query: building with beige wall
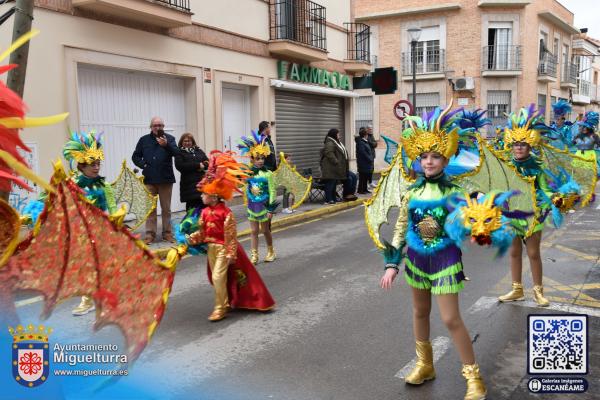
586,94
213,68
498,55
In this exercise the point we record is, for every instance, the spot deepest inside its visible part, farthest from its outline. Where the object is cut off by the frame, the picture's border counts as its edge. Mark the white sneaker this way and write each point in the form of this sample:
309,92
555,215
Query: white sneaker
370,186
287,211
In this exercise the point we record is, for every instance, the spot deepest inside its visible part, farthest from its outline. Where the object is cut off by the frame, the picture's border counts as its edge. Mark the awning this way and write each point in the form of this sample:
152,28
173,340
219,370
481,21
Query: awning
299,87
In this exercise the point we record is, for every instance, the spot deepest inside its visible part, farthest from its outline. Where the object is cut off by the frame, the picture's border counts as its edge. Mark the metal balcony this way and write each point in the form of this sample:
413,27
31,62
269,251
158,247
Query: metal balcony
159,13
501,60
568,75
358,38
429,62
298,29
547,67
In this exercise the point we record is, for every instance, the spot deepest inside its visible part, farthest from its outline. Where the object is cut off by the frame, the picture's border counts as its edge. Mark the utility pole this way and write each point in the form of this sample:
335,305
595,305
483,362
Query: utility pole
16,77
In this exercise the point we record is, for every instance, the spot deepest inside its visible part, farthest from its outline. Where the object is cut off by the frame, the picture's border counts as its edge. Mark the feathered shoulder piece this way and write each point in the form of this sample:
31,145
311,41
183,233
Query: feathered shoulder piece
525,126
83,148
436,131
254,145
224,175
561,108
590,120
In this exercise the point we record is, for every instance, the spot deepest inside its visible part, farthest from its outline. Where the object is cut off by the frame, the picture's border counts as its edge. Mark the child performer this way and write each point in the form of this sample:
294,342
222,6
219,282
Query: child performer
236,282
521,136
433,262
85,150
260,193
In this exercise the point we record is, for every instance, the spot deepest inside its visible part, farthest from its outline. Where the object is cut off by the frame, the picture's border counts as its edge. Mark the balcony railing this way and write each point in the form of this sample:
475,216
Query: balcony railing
427,62
569,73
547,65
301,21
583,88
358,38
501,58
182,5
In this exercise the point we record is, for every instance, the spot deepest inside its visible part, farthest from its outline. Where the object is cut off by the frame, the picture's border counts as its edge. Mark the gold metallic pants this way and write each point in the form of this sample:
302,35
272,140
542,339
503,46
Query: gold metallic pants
218,268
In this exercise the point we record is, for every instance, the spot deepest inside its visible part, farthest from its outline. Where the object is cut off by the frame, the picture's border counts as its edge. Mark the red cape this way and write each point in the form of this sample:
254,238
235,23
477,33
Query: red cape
245,287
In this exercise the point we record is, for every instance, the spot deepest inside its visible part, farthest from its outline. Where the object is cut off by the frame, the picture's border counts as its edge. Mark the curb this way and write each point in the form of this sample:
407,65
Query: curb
286,221
307,215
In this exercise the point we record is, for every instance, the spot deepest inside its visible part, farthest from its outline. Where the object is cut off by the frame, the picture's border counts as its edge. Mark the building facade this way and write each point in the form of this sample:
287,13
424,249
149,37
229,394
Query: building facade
212,68
586,94
498,55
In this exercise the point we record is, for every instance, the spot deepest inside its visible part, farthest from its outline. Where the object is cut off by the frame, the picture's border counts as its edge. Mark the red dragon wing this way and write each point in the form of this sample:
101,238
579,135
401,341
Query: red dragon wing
76,250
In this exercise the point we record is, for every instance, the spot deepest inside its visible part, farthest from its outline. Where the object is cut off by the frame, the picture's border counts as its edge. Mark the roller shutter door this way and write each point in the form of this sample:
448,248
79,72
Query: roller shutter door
302,121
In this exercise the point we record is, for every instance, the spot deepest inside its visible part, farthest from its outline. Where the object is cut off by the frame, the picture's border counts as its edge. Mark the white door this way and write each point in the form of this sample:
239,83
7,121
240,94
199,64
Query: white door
235,115
120,104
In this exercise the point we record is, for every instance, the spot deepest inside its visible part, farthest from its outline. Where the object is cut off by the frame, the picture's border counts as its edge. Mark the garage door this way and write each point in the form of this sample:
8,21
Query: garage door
302,122
120,104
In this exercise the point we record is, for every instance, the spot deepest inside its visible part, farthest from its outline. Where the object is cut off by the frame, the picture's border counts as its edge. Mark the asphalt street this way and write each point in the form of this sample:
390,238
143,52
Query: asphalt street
336,335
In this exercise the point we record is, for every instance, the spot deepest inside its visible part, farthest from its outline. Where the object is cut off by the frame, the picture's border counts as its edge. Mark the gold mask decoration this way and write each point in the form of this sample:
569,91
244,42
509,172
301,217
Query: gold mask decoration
422,140
482,218
530,136
260,151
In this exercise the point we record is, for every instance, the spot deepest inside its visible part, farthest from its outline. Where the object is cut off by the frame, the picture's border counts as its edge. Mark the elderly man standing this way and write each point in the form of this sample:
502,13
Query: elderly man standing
154,155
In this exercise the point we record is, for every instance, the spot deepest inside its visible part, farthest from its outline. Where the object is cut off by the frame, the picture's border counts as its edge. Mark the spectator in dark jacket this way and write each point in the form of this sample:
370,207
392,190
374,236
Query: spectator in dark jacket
373,144
192,163
154,155
335,167
365,160
264,128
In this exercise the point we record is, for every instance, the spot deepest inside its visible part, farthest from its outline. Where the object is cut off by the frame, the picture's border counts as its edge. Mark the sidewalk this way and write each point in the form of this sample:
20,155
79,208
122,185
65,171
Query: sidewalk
307,211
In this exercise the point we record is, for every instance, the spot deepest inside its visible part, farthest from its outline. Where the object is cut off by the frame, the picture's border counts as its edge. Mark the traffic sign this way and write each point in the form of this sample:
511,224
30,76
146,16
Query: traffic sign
402,109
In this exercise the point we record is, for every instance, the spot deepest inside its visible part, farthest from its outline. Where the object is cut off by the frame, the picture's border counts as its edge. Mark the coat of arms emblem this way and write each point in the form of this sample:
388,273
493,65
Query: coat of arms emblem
30,354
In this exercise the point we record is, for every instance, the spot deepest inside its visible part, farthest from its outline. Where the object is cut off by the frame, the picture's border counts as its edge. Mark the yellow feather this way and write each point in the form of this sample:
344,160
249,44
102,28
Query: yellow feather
22,170
18,43
18,123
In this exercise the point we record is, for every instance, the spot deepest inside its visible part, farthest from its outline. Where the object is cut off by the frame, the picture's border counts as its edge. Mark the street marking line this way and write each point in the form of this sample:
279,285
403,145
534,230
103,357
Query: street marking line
440,345
29,301
482,304
576,253
560,307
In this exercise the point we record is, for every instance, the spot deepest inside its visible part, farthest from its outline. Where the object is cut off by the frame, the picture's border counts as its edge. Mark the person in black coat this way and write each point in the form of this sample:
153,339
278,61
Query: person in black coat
154,154
365,160
192,163
264,128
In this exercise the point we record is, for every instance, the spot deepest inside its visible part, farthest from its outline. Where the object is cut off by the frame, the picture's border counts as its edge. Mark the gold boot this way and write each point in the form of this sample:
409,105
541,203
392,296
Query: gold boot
87,305
217,315
254,256
475,387
516,294
270,254
423,371
538,295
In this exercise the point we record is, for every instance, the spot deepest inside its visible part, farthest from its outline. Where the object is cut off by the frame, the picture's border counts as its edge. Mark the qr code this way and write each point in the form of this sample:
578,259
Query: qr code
557,344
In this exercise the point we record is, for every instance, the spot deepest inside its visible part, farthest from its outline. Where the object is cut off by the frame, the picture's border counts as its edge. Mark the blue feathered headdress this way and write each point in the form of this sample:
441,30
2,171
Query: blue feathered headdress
561,108
473,119
254,145
590,120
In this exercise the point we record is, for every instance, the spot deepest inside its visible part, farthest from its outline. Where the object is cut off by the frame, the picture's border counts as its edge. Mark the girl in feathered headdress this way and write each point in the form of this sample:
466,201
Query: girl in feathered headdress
522,138
236,282
260,193
433,261
561,126
84,152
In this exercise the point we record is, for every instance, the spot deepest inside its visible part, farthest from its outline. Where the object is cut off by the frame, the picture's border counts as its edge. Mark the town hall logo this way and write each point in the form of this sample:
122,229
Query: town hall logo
30,354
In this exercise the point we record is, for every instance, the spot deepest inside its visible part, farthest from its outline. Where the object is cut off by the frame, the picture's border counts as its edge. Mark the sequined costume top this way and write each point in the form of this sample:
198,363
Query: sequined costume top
98,192
261,194
432,260
587,141
217,225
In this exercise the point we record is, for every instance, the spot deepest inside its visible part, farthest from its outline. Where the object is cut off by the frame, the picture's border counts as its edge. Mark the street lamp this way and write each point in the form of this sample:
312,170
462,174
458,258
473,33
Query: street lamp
414,34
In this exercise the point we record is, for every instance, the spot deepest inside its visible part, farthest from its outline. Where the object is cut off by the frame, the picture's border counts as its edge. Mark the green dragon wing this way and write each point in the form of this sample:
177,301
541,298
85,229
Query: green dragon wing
393,183
129,189
286,175
495,172
582,170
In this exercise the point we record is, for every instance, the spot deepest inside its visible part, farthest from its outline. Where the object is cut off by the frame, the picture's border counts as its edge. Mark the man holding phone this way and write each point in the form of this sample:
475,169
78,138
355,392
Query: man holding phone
154,154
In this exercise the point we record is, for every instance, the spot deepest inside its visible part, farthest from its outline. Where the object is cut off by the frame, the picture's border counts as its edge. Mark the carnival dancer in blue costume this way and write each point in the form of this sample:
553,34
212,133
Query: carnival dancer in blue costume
522,138
587,140
261,194
85,151
562,127
433,262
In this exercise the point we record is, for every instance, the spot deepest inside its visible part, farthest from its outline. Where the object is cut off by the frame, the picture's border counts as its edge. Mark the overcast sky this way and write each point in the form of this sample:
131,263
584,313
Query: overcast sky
587,15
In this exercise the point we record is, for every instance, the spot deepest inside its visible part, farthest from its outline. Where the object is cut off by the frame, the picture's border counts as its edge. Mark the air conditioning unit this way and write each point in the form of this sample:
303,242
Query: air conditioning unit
465,83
